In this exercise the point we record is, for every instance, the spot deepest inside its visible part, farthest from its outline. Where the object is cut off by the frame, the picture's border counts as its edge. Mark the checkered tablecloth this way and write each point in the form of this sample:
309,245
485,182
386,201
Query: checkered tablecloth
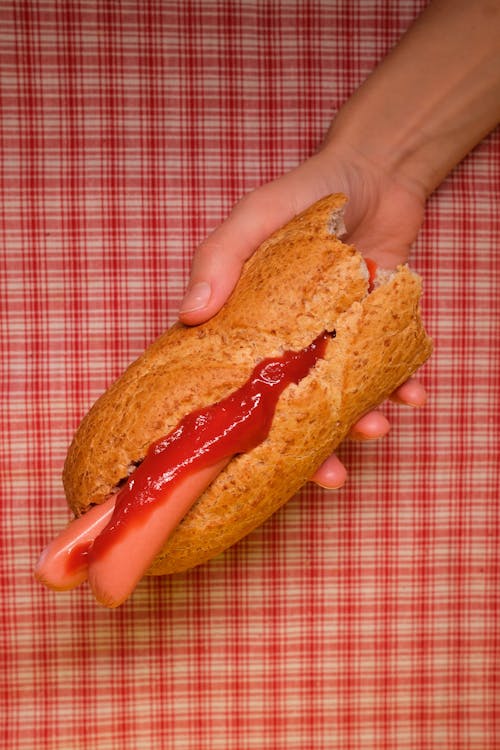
365,618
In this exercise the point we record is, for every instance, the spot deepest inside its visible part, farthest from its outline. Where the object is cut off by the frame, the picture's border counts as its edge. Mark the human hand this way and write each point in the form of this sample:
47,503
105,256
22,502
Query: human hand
383,217
389,147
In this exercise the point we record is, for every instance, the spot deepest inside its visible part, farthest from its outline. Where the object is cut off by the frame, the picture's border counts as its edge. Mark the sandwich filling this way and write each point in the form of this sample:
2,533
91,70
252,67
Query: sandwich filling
114,544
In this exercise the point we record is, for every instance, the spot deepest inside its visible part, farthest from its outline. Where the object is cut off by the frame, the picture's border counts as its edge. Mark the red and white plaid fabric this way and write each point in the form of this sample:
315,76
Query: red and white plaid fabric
362,618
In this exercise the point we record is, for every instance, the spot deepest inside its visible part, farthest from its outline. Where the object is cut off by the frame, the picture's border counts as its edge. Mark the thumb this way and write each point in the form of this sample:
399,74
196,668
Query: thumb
218,261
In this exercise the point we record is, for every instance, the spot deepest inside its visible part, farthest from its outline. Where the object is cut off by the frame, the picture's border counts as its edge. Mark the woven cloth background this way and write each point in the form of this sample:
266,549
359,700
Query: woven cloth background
364,618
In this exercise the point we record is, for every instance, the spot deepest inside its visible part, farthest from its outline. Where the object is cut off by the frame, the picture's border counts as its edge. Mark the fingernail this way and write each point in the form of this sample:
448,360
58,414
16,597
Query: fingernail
196,297
330,487
363,437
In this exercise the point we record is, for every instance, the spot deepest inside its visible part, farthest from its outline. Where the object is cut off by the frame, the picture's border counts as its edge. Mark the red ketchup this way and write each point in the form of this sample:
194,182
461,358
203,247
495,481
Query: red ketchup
235,424
372,272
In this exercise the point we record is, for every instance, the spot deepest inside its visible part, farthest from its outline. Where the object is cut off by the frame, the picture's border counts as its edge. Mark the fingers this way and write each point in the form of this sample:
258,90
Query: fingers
371,426
411,393
331,474
375,425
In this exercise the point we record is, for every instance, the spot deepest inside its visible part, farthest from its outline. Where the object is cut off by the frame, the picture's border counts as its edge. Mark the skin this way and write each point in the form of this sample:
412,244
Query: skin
428,103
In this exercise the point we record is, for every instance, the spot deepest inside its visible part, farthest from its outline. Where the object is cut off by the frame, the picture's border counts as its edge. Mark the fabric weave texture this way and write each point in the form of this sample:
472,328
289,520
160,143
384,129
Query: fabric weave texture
361,618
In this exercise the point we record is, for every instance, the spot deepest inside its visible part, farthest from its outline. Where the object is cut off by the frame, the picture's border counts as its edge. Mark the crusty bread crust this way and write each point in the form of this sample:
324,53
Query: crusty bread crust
301,281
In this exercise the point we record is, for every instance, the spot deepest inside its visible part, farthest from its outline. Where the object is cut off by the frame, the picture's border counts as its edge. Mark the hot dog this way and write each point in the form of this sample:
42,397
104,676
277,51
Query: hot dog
304,296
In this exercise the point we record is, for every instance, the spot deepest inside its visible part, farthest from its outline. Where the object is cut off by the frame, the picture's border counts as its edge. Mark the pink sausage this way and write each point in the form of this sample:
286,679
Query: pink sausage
114,573
53,567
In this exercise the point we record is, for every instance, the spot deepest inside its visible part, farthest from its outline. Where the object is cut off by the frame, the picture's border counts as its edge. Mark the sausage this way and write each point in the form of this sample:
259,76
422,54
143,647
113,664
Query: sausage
303,280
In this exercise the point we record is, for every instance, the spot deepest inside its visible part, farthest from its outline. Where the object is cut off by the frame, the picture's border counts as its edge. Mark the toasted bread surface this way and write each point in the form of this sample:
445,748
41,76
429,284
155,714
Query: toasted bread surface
301,281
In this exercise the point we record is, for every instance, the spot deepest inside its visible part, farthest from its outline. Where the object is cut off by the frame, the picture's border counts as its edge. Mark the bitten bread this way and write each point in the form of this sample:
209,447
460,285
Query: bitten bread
299,282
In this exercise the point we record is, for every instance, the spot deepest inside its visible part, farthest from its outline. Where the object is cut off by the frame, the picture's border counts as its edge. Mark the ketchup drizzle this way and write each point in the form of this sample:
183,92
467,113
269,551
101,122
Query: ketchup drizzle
236,424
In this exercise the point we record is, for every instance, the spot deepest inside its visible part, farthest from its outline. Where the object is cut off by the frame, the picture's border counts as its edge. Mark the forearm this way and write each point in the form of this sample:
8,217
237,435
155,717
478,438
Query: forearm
433,98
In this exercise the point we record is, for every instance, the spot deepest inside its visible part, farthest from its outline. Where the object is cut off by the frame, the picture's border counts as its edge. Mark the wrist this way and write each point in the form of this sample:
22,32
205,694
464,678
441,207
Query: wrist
434,97
371,168
373,135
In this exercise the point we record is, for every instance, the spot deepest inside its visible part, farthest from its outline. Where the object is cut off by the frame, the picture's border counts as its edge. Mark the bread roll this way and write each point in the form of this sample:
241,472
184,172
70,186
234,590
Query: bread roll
299,282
